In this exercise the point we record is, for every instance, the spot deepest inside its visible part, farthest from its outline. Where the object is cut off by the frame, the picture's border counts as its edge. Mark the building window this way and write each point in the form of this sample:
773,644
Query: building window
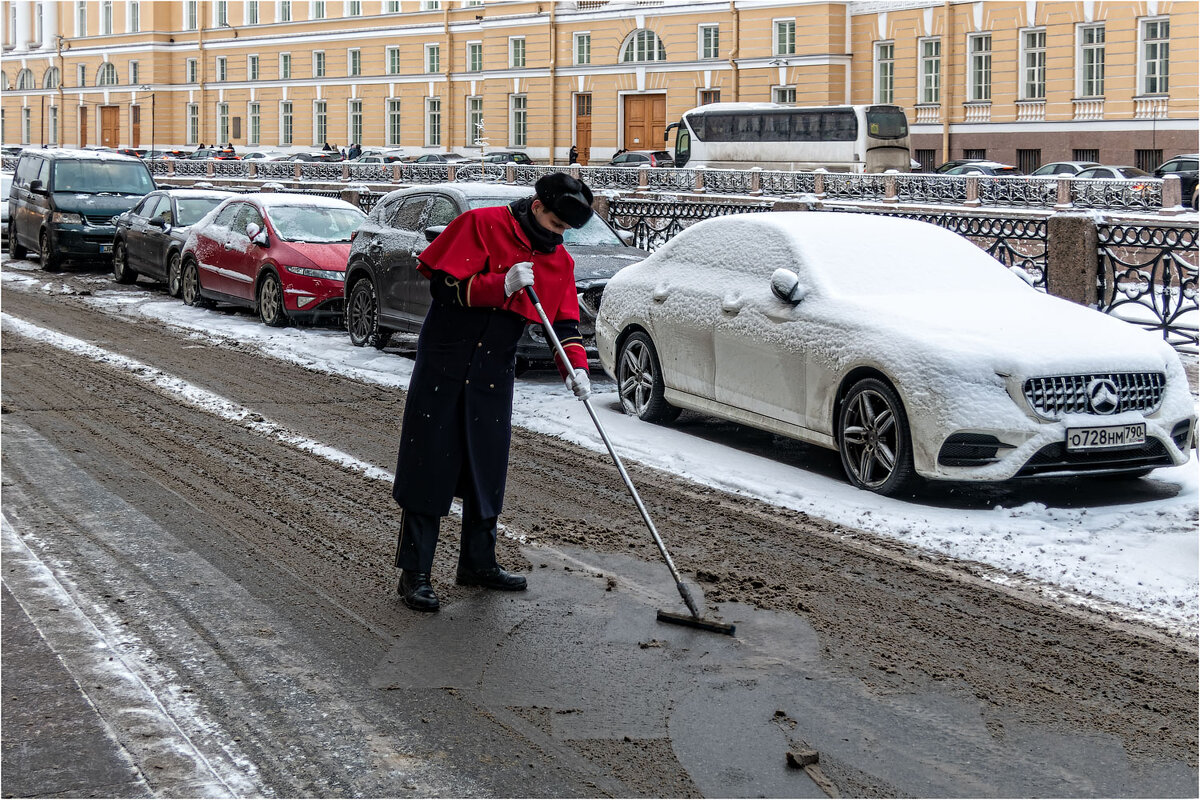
354,8
433,58
785,37
1156,55
221,17
710,41
80,19
393,123
1147,160
106,17
26,125
433,121
583,48
475,132
191,71
516,51
979,48
1085,154
356,119
517,120
783,94
223,123
135,73
474,56
644,45
191,15
430,5
80,75
49,80
393,60
193,123
285,122
1028,160
931,70
707,96
39,29
885,75
317,11
320,123
252,13
1033,43
25,79
354,62
53,124
133,15
10,37
977,153
318,64
285,11
254,115
393,6
105,76
285,65
222,68
252,68
927,158
1091,61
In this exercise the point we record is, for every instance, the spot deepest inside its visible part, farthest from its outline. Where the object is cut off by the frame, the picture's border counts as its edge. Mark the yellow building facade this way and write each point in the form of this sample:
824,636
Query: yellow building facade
1015,81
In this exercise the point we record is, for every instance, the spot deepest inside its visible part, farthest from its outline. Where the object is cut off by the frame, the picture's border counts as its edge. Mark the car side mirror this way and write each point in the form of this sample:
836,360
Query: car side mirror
36,186
433,231
785,285
256,234
158,222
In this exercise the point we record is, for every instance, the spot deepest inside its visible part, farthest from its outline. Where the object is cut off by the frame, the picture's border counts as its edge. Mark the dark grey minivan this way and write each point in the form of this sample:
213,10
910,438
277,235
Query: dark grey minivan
62,203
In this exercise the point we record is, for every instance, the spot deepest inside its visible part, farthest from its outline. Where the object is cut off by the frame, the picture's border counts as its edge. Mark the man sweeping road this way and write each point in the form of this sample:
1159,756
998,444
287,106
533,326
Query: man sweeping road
454,439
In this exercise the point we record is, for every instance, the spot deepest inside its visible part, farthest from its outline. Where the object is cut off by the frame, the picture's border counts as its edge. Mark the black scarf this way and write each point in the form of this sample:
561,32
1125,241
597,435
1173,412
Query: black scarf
543,241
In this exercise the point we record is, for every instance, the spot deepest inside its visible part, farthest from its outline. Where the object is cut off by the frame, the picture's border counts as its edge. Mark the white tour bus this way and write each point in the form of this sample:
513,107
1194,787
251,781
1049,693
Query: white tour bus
870,138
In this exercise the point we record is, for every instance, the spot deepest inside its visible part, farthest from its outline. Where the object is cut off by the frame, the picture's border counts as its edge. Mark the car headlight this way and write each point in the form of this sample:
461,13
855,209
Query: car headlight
66,217
309,272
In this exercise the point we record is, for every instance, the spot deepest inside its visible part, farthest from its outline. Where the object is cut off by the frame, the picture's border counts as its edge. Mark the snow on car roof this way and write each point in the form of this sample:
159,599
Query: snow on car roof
91,155
196,193
270,199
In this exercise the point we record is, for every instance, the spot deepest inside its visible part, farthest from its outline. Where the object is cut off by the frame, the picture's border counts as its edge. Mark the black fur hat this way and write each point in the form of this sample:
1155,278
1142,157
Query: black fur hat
567,198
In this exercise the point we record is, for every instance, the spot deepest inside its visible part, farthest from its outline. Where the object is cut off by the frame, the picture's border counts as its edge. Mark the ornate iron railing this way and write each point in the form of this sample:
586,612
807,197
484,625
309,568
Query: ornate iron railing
1127,193
654,222
1147,275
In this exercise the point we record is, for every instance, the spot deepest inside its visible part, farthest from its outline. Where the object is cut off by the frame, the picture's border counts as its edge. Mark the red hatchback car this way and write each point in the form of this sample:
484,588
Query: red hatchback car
281,254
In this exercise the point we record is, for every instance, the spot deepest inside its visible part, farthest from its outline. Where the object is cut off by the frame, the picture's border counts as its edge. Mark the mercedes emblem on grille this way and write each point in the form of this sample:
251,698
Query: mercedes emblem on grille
1102,396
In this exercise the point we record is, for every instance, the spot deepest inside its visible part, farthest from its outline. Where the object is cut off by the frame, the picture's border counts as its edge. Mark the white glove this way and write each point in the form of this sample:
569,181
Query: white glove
518,277
579,383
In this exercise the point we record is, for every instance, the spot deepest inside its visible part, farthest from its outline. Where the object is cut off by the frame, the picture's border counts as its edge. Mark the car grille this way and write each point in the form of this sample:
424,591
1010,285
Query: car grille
589,300
1068,394
99,219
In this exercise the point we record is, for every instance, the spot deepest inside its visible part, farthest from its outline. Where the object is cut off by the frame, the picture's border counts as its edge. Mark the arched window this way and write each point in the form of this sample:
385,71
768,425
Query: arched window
25,80
50,79
107,74
643,45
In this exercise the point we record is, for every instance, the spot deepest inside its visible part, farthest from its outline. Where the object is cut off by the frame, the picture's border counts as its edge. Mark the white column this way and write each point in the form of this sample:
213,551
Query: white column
24,23
49,24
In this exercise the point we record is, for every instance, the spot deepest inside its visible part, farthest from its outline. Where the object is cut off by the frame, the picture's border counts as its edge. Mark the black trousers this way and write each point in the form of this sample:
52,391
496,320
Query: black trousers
419,535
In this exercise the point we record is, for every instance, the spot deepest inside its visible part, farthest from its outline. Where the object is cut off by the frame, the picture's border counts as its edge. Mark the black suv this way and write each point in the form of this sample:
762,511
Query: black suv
62,203
385,293
1186,168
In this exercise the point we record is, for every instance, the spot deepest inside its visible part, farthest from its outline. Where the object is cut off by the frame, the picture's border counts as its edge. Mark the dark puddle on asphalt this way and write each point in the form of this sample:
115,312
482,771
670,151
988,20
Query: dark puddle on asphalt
580,657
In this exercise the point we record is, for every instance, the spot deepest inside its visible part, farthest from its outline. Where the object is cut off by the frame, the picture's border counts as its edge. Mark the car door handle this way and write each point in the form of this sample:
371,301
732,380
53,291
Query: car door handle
732,305
660,293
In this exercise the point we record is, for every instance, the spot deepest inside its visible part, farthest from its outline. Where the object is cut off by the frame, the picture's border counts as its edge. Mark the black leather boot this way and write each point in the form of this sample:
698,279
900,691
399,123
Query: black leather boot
417,591
492,578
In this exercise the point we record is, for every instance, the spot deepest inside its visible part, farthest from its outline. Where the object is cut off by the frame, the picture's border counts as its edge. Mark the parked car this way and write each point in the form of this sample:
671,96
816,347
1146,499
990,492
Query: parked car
1185,167
62,203
386,293
506,157
380,157
218,153
149,237
152,155
435,158
642,158
899,344
6,179
282,254
1064,168
260,155
316,155
982,168
1113,172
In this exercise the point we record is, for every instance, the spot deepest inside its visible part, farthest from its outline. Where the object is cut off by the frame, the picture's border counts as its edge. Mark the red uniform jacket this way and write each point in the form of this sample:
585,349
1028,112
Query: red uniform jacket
480,246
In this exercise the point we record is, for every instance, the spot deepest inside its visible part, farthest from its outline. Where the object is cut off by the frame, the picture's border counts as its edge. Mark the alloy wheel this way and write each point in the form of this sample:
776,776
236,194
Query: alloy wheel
874,438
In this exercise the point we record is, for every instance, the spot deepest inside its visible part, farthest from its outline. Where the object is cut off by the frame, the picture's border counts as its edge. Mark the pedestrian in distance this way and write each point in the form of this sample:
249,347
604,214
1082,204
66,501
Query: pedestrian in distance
573,155
327,147
454,438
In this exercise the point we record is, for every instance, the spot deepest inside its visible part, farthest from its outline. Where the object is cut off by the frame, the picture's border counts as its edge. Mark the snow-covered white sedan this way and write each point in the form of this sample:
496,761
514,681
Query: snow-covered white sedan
900,344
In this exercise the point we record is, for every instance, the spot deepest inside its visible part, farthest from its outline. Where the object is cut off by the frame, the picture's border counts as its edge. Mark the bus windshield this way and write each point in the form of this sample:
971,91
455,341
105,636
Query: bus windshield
886,122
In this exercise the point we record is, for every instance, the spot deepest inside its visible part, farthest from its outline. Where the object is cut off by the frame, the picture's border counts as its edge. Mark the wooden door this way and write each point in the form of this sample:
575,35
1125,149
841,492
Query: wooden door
583,128
83,128
135,126
645,121
110,126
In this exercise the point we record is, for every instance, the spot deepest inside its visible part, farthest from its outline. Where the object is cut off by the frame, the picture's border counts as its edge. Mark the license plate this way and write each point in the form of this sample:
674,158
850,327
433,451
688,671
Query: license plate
1105,437
106,248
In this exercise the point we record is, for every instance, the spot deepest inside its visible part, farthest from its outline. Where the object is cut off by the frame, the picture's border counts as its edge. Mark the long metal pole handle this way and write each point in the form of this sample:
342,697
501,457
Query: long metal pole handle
637,500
